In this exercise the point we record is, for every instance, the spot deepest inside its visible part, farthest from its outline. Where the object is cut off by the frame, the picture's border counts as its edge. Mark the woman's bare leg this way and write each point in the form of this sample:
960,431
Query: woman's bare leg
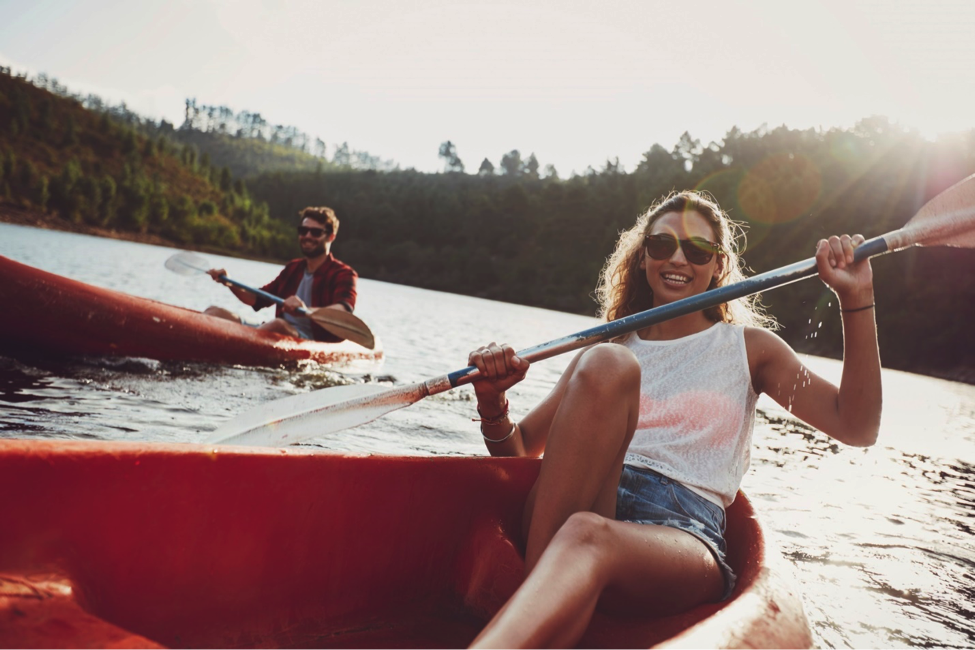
593,559
588,438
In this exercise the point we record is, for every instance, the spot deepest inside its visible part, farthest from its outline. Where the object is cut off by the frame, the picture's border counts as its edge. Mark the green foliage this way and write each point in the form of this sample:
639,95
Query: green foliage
542,241
71,137
134,192
511,163
87,197
109,167
188,154
64,198
244,156
518,235
226,180
182,220
207,209
452,163
158,211
109,204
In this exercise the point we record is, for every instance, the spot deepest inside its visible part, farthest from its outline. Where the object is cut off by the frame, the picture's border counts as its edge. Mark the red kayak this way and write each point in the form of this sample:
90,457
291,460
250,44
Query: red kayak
47,313
108,544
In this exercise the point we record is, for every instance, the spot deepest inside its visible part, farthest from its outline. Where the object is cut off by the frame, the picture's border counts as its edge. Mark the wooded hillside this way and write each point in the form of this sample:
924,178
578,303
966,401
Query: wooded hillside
511,233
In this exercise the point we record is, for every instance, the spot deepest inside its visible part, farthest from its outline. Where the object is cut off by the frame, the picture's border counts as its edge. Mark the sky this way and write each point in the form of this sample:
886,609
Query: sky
576,83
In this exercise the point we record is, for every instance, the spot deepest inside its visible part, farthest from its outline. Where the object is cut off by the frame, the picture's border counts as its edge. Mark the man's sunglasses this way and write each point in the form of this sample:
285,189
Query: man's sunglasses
314,232
696,249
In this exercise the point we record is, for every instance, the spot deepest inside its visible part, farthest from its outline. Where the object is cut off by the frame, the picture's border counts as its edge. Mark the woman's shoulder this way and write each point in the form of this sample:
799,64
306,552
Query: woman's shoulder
763,341
765,350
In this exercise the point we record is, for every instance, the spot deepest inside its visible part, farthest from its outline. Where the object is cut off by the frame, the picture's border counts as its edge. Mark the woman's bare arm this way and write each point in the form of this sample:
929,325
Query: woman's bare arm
851,412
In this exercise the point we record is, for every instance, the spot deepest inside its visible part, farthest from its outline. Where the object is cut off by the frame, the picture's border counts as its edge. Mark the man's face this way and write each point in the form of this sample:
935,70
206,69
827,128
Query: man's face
312,237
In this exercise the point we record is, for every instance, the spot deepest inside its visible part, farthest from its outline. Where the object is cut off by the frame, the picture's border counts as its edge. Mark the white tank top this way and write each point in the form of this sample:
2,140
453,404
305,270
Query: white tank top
697,410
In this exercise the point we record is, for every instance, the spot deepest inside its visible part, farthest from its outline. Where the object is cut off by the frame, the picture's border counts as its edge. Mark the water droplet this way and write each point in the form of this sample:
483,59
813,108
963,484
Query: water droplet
820,325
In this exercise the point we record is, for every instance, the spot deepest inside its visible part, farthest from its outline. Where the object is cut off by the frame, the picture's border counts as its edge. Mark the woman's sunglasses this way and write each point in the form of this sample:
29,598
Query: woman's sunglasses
696,249
314,232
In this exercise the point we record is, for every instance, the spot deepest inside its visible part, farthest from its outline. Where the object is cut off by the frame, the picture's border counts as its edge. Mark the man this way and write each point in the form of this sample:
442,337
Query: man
317,280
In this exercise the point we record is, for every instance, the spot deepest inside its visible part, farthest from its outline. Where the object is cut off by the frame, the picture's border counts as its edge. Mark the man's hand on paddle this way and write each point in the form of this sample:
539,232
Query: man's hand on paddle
216,273
500,369
292,304
243,295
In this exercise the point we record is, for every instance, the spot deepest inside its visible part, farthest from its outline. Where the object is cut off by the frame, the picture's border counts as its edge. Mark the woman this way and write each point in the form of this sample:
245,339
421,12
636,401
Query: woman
645,440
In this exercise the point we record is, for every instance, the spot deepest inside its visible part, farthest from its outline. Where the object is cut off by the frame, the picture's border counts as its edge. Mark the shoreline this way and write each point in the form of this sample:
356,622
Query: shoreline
17,215
20,216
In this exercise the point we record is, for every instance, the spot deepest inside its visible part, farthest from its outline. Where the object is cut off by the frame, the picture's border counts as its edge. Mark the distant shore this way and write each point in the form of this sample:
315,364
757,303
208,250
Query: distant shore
11,213
17,215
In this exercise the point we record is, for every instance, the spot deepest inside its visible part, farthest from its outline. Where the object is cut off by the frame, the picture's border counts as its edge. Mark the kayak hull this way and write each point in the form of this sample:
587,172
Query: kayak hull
113,544
53,315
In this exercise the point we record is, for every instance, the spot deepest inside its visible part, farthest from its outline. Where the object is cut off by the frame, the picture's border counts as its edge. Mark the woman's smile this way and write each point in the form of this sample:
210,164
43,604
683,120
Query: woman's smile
676,279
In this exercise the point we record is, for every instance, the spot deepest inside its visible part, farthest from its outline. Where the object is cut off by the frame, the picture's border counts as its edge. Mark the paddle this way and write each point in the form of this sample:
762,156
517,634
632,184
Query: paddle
947,219
337,321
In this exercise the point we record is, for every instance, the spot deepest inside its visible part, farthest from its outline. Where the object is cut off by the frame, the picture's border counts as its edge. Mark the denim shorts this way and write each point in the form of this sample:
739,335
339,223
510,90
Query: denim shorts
648,497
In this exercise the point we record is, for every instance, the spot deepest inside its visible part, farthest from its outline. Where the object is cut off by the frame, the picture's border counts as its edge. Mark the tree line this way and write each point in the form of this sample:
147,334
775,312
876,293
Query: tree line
102,169
535,239
517,233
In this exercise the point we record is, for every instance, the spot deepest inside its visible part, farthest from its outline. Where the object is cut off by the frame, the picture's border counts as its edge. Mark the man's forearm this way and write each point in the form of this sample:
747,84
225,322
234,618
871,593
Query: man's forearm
244,296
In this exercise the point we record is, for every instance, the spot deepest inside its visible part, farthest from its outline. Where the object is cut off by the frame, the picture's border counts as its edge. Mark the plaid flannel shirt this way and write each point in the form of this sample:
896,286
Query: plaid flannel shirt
333,282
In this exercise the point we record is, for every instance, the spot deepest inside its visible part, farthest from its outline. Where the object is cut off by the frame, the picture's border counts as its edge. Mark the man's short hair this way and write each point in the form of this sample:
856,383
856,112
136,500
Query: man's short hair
324,216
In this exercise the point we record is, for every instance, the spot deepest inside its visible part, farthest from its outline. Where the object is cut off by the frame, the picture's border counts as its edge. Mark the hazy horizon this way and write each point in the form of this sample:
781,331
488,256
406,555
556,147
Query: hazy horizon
575,83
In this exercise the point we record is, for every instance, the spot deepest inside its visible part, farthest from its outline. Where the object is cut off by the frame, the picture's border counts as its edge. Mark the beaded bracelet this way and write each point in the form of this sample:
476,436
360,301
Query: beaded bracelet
510,433
850,311
491,421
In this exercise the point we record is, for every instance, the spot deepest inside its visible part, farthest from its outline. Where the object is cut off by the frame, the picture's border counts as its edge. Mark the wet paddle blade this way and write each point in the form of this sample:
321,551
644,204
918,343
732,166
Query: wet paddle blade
319,413
344,324
948,219
187,263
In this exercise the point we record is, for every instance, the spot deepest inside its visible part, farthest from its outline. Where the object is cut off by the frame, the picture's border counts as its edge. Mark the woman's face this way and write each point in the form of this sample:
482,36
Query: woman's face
675,278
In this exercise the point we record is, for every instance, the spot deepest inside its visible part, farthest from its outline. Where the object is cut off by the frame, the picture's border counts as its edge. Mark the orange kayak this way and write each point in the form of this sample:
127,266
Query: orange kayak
51,314
108,544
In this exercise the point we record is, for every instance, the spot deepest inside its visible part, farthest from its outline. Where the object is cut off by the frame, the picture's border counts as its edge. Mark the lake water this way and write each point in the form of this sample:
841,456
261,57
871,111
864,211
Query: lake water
880,540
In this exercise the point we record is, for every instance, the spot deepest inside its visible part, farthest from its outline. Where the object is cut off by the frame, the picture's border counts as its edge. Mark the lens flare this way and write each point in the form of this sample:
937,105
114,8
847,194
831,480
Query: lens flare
779,189
724,184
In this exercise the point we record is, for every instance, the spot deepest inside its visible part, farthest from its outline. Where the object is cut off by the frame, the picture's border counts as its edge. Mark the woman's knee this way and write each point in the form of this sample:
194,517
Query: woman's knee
608,368
585,532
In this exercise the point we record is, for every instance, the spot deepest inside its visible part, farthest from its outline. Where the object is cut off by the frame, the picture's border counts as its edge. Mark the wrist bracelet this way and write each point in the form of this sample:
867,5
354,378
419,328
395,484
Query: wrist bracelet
495,420
510,433
850,311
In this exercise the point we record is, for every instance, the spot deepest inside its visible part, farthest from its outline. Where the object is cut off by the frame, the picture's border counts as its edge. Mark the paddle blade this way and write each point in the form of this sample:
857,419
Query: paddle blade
319,413
948,219
344,324
187,263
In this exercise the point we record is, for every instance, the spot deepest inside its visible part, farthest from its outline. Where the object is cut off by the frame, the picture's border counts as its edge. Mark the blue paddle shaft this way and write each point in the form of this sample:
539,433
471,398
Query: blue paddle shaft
261,293
239,285
712,298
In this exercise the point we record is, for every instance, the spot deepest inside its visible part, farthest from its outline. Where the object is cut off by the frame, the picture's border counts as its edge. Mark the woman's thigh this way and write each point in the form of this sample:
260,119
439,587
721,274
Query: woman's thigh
603,379
659,568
